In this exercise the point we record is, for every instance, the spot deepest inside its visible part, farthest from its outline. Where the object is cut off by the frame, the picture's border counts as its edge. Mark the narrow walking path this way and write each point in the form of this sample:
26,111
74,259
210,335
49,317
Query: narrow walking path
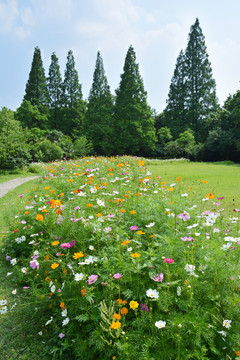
12,184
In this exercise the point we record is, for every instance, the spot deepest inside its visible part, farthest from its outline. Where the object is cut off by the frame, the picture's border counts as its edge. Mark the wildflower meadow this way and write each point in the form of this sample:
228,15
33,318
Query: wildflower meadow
114,263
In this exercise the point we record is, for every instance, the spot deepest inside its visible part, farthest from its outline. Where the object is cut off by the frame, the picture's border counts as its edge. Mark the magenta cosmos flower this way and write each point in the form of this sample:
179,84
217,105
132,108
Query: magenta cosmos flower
168,261
67,245
117,276
185,216
133,227
92,279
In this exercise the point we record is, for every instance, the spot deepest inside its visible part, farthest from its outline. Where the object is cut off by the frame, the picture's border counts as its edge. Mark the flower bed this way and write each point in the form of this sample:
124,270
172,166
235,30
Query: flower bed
119,265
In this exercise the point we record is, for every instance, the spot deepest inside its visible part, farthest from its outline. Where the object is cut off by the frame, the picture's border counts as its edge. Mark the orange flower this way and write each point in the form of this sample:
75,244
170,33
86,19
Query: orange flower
54,265
39,217
48,279
132,212
26,212
58,211
124,311
99,214
135,255
115,325
70,180
151,236
237,353
170,189
47,187
61,194
44,210
83,292
120,165
117,316
78,255
210,196
205,182
125,242
54,243
123,210
89,205
179,178
140,232
141,163
51,191
47,257
119,301
62,305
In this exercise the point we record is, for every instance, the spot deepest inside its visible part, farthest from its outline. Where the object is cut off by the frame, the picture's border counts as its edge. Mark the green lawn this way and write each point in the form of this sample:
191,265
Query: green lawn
223,178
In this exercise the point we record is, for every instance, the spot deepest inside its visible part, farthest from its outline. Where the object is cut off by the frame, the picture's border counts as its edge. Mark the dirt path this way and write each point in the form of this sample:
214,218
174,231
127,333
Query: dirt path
12,184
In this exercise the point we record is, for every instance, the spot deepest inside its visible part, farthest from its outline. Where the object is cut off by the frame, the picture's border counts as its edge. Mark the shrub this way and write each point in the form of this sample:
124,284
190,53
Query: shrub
46,151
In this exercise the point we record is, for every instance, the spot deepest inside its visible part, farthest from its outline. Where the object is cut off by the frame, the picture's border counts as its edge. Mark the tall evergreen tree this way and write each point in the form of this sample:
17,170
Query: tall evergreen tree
201,87
133,120
98,122
54,83
192,95
36,88
175,112
72,99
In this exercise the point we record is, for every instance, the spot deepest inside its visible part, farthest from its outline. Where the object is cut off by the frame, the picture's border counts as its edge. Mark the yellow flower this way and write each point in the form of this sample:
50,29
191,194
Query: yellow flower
116,325
140,232
210,196
54,265
132,212
133,305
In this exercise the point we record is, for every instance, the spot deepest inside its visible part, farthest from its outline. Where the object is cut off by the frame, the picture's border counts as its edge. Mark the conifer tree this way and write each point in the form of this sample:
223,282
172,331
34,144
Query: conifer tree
133,120
98,120
36,88
54,83
72,99
175,112
192,95
201,87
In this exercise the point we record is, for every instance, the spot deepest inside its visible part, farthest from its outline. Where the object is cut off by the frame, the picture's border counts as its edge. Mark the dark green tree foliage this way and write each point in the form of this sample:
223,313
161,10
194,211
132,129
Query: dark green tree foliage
72,99
54,83
30,116
36,89
200,85
133,120
175,112
98,122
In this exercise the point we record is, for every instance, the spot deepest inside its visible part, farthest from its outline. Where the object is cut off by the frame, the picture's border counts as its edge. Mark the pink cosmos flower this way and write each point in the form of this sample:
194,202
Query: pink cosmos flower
187,238
117,276
67,245
168,261
185,216
92,279
133,227
158,277
34,264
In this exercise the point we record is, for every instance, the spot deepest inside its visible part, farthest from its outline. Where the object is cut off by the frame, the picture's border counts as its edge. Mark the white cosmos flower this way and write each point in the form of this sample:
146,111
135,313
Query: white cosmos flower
53,288
65,321
79,277
179,290
49,321
153,294
227,323
150,225
190,269
3,310
160,324
64,313
184,195
100,202
3,302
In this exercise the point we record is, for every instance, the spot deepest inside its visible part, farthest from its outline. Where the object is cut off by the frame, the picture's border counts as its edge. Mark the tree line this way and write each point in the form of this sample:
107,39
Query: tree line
54,120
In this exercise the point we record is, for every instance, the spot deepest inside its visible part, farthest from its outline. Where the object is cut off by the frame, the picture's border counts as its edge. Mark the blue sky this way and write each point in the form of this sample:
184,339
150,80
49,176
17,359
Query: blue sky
157,29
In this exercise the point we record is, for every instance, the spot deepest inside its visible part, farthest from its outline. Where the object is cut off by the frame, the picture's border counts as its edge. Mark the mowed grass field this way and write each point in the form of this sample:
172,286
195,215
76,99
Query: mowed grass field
223,178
